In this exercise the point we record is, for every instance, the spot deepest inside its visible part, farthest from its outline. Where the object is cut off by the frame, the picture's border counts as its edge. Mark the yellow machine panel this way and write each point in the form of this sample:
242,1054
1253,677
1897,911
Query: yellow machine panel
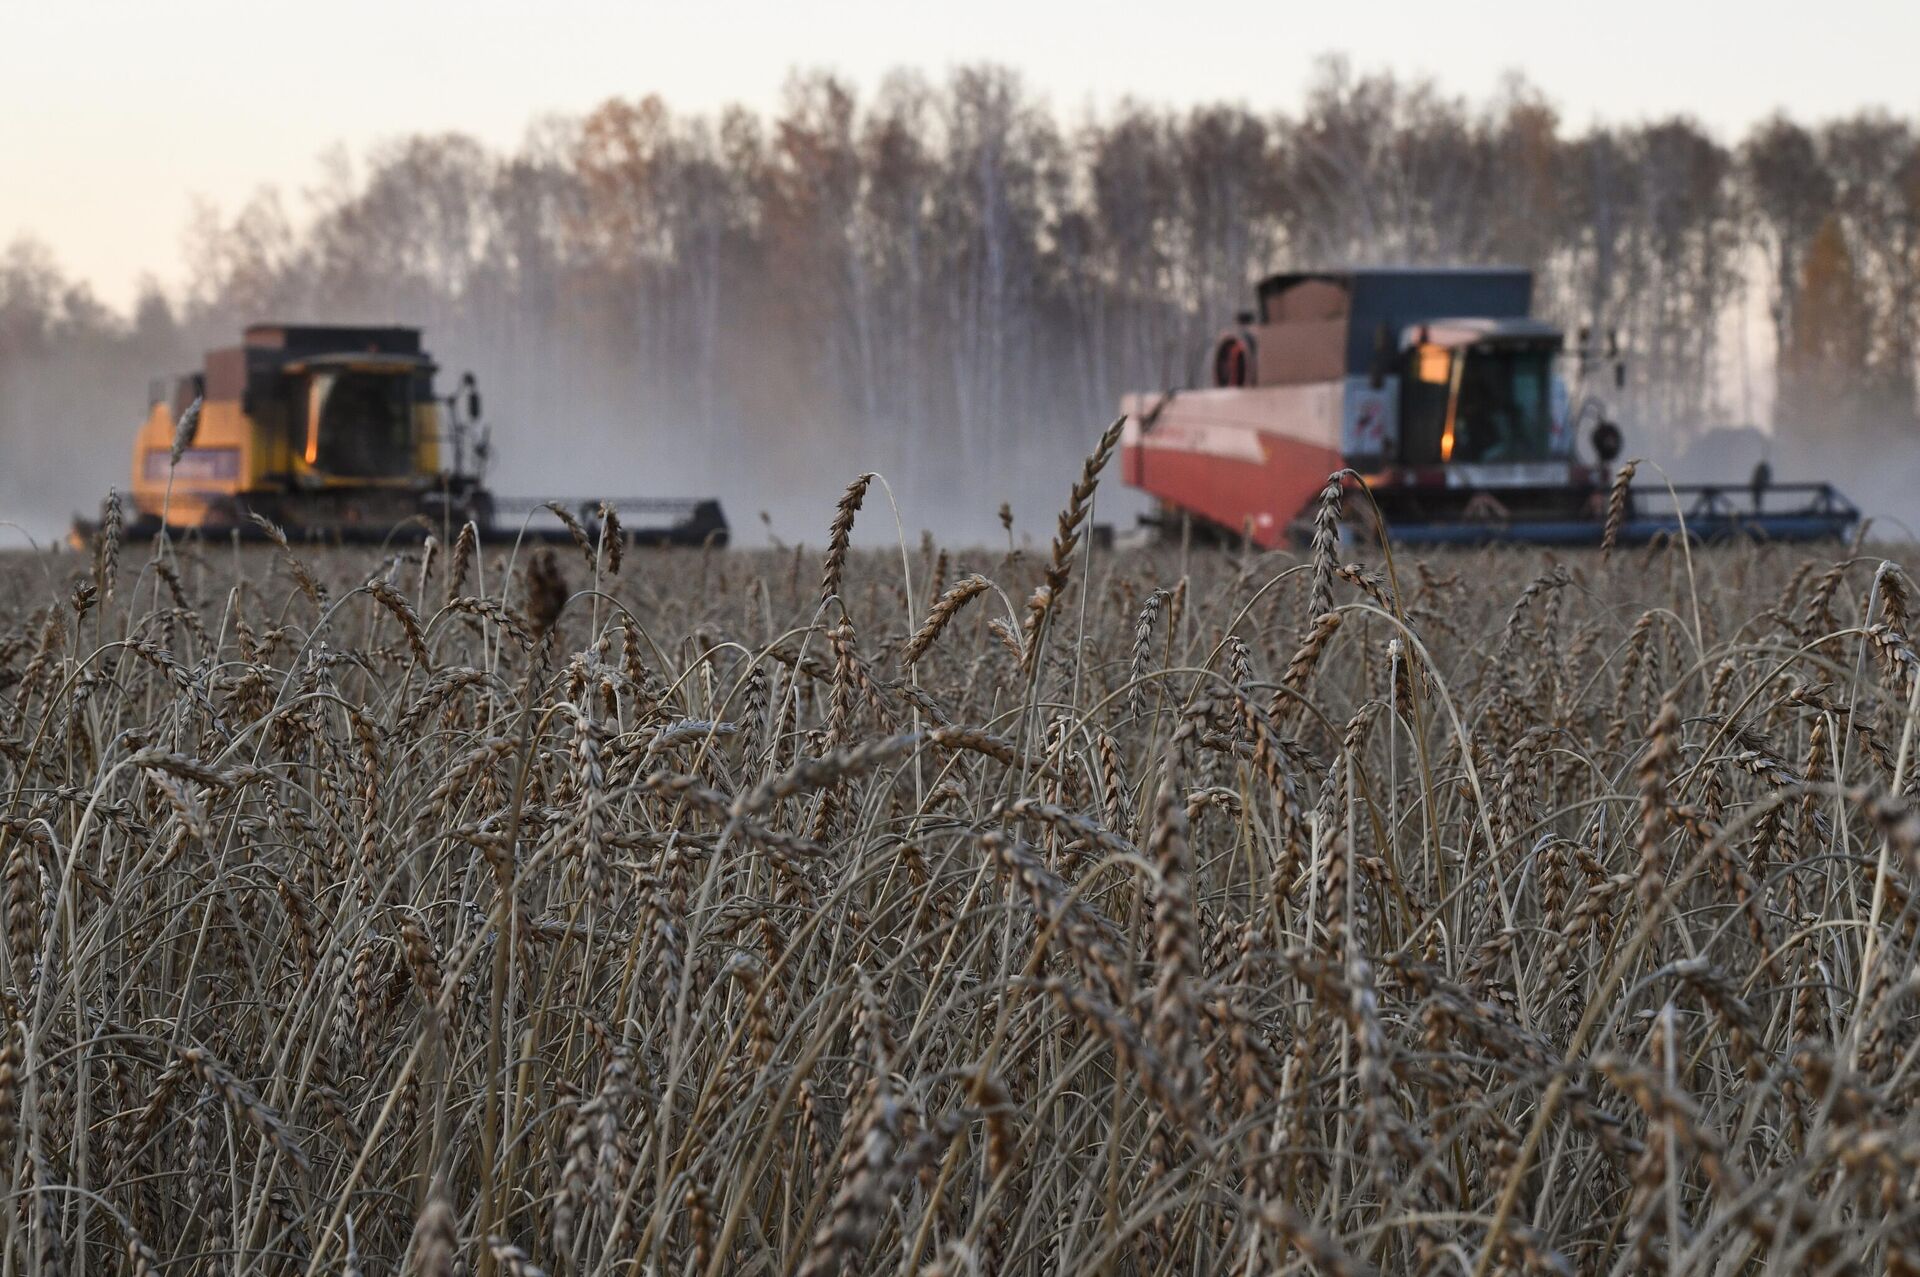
220,462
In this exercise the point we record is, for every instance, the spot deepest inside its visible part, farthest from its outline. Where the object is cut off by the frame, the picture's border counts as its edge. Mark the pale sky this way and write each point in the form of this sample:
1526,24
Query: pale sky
115,114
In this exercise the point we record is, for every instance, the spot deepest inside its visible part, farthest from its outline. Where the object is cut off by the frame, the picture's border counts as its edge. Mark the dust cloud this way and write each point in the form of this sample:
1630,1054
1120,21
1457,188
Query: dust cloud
568,423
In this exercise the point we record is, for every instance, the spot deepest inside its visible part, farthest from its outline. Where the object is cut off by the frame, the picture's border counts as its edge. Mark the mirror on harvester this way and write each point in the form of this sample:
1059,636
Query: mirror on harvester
1606,441
471,387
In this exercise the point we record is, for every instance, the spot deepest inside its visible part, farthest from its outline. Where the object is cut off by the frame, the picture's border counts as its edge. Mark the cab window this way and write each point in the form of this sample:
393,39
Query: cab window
1423,405
359,424
1471,404
1505,410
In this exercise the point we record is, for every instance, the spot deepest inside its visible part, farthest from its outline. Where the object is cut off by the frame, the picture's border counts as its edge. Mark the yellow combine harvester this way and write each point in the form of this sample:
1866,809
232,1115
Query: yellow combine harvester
335,432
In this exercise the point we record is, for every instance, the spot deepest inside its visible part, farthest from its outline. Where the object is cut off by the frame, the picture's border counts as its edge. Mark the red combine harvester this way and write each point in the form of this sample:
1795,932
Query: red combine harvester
1442,390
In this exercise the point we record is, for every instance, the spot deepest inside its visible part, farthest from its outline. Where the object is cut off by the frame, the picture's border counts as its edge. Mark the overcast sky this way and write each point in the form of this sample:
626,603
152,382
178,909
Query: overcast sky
114,116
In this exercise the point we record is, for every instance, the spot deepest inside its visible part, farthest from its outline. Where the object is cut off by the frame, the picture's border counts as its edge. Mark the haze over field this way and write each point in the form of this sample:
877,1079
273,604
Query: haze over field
680,268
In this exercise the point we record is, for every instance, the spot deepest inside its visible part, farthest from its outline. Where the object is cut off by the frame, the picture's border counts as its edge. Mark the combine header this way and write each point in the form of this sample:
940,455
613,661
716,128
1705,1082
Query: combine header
1442,391
335,433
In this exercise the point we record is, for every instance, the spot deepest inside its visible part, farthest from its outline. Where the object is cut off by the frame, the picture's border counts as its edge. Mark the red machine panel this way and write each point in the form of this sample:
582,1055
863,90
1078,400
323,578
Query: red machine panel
1247,460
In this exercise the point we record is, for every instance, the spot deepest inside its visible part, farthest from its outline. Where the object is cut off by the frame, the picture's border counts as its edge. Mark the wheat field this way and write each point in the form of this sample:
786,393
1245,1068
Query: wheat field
1029,909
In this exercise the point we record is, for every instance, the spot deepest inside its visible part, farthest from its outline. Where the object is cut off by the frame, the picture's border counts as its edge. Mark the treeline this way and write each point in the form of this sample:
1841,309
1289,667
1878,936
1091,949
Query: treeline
952,282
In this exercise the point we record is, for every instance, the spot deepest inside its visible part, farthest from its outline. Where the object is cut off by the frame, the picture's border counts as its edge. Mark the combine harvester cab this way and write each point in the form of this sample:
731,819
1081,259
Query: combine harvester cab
334,433
1441,390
